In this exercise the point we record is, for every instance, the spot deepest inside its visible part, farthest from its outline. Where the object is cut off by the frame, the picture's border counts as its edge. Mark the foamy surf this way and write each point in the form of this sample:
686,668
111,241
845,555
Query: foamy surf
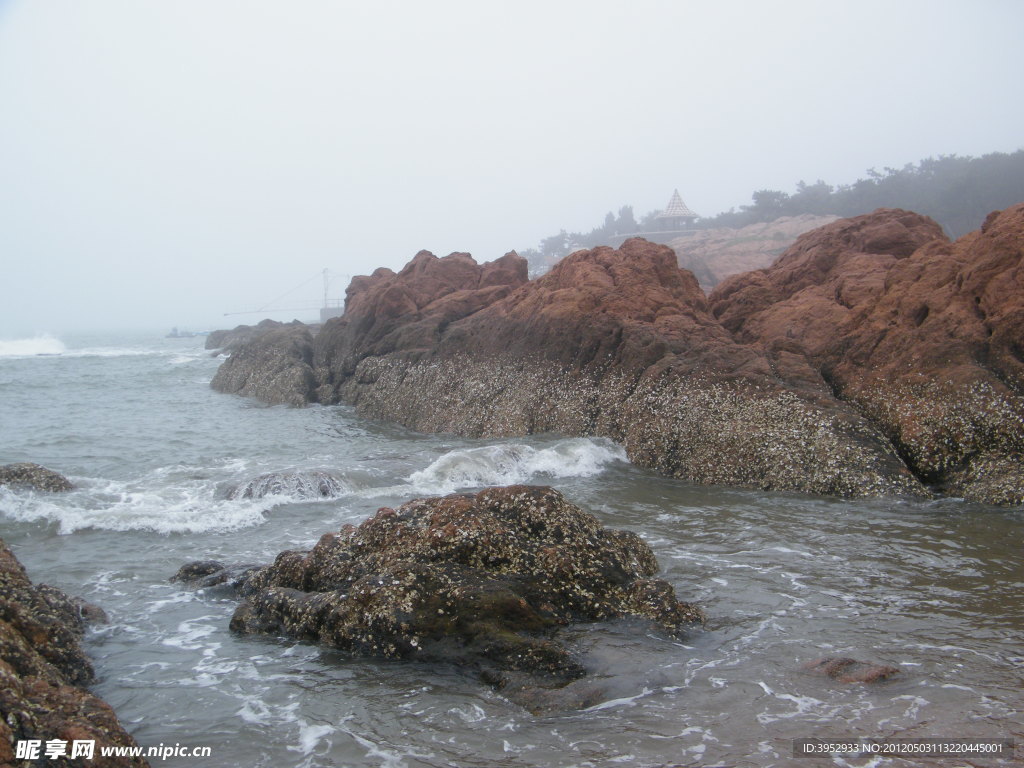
188,507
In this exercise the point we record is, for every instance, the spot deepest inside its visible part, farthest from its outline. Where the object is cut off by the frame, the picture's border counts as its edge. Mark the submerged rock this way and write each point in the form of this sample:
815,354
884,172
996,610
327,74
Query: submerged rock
847,670
298,485
43,671
481,580
34,477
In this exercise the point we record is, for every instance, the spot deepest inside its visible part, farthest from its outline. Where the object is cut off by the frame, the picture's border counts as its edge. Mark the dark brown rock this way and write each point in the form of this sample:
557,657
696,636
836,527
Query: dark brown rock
43,671
481,581
33,477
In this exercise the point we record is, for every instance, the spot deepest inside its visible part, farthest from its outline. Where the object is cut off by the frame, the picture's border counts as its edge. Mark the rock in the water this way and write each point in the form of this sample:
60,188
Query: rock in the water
847,670
204,574
275,368
33,476
43,671
481,581
297,485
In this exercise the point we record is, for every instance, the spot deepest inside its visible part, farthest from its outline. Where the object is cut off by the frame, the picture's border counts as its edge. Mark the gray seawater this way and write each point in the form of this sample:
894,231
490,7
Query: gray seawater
933,588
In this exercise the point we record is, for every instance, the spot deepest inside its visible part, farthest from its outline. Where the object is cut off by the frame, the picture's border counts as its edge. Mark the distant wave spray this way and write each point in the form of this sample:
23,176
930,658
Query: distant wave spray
41,344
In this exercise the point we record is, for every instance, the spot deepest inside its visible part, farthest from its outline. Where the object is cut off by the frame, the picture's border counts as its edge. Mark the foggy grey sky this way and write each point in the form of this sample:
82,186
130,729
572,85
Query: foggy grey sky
162,163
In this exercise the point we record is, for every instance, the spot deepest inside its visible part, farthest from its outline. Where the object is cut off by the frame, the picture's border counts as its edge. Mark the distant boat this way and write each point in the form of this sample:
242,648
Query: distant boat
176,334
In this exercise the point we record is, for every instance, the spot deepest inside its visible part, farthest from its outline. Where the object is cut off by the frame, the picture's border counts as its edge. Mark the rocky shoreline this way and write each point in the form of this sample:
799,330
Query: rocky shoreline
874,358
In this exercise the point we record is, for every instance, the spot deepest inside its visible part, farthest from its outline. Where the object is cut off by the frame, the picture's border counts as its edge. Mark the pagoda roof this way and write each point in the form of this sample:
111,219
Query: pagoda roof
676,208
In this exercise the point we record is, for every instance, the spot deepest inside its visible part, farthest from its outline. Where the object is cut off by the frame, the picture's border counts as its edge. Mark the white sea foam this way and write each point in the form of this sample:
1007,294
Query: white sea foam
41,344
184,506
511,463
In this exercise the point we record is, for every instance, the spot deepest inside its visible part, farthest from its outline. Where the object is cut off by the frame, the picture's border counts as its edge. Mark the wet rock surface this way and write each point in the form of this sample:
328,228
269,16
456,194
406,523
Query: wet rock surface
873,358
43,671
482,581
33,477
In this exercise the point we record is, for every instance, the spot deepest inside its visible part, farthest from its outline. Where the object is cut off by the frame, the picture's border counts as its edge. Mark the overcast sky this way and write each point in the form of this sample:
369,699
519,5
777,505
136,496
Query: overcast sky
163,163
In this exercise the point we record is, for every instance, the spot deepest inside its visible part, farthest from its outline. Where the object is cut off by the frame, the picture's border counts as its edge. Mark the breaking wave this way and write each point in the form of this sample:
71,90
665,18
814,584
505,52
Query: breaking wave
41,344
513,463
175,499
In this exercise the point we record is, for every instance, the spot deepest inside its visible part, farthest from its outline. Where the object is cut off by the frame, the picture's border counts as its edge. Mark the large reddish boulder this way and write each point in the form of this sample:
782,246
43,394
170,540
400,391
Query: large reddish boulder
923,335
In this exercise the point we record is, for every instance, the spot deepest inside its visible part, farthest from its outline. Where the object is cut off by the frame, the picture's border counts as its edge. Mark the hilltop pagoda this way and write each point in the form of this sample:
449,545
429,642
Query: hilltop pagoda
676,215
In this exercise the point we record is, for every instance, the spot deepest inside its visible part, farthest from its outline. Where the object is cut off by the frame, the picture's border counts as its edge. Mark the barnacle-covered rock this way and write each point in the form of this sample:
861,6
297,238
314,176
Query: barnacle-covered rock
873,358
43,670
33,477
274,367
480,580
925,336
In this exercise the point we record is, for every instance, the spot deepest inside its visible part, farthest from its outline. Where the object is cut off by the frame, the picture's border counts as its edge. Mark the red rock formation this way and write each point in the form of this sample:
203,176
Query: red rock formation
924,335
871,346
611,342
407,311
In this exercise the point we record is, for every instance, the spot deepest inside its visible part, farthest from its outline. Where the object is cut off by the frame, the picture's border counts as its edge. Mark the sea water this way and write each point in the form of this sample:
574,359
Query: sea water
931,588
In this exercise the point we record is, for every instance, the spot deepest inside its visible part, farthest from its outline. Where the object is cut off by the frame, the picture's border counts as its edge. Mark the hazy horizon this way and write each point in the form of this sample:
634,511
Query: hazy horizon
163,164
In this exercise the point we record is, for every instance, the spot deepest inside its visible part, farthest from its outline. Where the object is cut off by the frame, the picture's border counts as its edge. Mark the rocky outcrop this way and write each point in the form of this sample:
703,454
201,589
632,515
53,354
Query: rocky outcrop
43,671
616,343
33,477
873,358
274,368
923,335
715,254
226,340
480,581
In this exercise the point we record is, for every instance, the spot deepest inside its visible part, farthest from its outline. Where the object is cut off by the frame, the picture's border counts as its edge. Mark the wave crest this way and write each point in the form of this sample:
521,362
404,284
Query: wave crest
514,463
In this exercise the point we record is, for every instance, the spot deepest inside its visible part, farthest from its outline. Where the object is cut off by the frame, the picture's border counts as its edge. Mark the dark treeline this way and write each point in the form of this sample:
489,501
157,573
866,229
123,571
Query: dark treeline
958,192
